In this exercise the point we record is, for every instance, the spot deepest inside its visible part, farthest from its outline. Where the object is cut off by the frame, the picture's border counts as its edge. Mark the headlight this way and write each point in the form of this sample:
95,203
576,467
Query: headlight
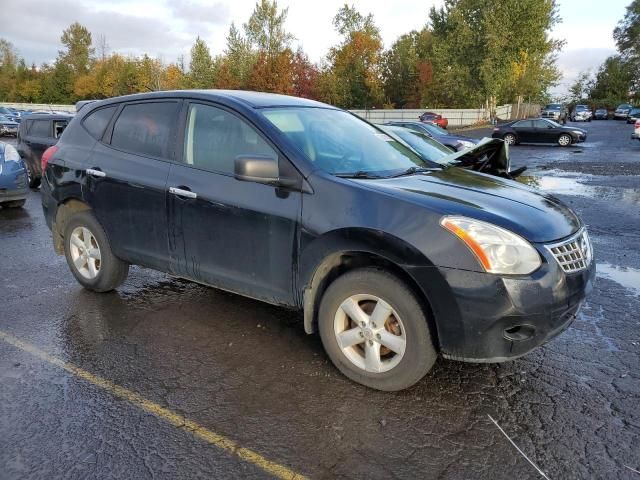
498,250
466,143
578,132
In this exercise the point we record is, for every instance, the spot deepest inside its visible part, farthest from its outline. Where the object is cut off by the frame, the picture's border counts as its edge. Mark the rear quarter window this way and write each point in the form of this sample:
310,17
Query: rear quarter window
96,122
145,128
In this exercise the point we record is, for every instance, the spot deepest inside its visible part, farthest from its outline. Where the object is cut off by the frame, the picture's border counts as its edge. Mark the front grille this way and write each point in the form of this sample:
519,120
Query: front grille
574,254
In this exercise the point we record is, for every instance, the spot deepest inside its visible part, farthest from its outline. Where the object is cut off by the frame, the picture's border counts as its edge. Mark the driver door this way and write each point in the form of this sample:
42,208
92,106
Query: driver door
237,235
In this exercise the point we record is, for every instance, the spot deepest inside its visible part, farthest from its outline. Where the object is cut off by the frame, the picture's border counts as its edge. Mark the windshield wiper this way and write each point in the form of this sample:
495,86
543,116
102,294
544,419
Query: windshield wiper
358,174
412,170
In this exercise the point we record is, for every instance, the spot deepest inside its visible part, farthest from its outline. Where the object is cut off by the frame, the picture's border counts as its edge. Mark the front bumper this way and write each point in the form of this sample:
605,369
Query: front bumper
482,317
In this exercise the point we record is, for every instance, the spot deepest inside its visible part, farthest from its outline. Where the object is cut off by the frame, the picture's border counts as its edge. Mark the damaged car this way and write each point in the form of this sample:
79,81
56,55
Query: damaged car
394,260
490,155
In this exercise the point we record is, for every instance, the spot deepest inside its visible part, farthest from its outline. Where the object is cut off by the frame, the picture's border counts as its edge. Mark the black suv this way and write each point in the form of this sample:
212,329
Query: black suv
36,133
393,259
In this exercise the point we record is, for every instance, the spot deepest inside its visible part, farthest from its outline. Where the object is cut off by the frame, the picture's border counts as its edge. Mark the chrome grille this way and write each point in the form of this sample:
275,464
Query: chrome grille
573,254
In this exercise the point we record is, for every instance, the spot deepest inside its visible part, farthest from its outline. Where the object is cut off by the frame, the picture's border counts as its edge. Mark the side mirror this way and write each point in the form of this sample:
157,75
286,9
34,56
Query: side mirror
261,169
257,168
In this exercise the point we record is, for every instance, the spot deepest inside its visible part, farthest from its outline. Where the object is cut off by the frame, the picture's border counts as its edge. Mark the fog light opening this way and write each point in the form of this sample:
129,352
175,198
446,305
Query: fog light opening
519,333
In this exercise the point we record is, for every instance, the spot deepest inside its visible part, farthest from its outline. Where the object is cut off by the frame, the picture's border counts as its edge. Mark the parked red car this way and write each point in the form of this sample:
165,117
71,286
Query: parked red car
436,118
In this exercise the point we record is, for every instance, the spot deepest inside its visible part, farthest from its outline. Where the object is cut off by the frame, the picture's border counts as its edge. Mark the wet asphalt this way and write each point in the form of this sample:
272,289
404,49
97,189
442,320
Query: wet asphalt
247,371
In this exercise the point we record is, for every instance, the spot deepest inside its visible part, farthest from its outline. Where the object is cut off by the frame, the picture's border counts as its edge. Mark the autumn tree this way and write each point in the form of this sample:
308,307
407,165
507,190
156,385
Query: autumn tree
407,69
352,78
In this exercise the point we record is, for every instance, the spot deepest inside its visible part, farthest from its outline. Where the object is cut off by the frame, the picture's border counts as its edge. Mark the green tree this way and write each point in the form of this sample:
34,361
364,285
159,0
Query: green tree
200,66
613,82
235,67
490,51
78,52
627,32
265,29
354,66
405,66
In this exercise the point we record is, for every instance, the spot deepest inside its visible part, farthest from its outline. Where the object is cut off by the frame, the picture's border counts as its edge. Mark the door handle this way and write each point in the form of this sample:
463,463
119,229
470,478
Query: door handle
95,173
183,193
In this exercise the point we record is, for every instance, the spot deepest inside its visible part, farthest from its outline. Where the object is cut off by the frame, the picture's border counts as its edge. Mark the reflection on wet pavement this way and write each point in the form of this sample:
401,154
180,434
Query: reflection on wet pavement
563,183
628,277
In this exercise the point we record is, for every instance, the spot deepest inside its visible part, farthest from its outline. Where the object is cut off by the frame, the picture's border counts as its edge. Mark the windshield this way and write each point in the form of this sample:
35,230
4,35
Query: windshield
552,106
428,148
555,124
581,107
342,144
435,129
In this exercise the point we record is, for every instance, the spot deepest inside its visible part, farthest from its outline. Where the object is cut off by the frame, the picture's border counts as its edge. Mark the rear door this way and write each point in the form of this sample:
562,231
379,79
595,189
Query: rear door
240,236
125,180
524,130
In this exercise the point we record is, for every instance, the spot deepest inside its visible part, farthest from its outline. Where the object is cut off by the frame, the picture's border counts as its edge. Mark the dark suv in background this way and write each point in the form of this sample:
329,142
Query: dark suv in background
36,133
392,258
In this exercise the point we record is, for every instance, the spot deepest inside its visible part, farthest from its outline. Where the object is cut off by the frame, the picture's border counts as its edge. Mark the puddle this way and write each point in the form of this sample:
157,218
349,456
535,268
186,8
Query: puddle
564,185
627,277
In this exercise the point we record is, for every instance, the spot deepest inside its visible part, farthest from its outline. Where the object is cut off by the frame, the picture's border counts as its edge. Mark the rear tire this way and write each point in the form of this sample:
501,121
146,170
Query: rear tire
565,140
510,139
34,180
89,254
373,295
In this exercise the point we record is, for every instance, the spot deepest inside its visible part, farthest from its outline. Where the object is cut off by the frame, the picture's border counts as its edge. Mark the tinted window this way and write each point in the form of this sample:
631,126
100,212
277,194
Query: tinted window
341,143
523,124
97,121
215,137
541,124
58,127
39,128
145,128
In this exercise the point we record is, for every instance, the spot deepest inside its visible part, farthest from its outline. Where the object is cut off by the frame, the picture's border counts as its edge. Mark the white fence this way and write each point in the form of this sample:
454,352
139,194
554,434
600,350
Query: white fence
40,106
461,117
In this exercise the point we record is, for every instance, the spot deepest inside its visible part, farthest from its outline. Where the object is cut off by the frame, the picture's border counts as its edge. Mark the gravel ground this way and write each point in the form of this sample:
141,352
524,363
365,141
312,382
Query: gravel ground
247,371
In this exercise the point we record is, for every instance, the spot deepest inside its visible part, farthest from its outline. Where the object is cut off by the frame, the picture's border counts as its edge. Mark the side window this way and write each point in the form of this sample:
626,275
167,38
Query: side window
145,128
96,122
541,124
523,124
215,137
39,128
58,127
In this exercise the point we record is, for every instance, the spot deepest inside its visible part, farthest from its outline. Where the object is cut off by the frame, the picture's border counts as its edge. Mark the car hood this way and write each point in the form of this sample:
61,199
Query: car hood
9,124
531,214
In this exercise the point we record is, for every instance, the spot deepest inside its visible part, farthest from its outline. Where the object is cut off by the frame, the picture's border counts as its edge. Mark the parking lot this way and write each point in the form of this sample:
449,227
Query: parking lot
169,379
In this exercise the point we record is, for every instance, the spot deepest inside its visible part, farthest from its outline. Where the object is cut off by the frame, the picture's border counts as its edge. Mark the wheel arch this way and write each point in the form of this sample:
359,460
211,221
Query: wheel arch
339,251
65,210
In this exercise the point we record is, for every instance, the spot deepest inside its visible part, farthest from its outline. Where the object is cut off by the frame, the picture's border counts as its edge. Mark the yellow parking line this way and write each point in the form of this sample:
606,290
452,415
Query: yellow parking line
220,441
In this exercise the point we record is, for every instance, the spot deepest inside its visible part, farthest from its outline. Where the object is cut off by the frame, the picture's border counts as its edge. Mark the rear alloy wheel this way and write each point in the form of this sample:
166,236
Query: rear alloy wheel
564,140
375,331
510,139
89,254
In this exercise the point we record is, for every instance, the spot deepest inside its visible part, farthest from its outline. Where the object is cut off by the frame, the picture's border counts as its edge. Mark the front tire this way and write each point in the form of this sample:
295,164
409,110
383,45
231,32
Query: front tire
564,140
375,331
89,254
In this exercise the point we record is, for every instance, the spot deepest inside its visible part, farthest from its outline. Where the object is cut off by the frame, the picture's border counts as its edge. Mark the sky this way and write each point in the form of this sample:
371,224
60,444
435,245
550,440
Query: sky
167,28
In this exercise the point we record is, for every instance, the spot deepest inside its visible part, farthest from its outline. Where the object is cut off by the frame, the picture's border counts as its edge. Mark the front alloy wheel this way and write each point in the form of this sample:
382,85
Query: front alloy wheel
370,333
375,330
564,140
